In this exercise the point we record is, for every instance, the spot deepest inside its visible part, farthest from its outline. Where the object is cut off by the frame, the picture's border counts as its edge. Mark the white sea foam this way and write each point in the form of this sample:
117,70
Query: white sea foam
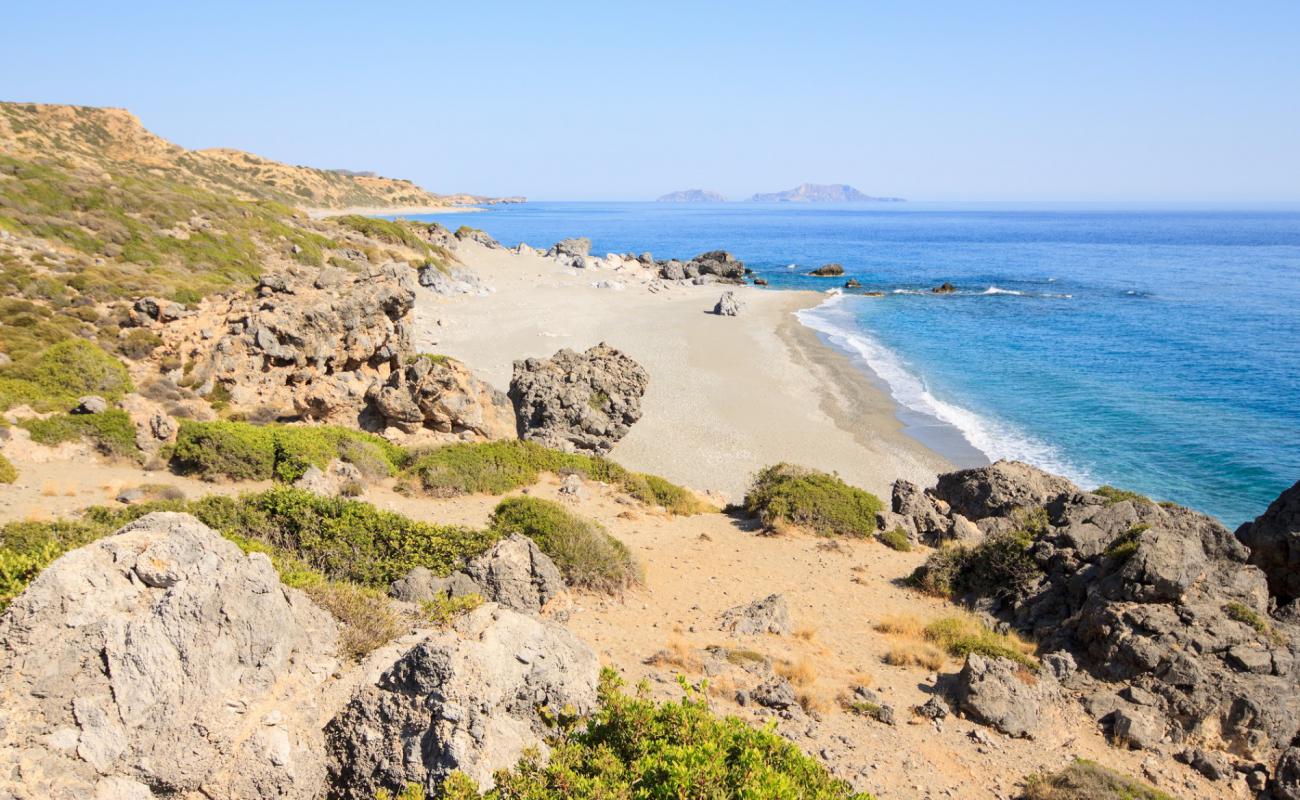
992,437
999,290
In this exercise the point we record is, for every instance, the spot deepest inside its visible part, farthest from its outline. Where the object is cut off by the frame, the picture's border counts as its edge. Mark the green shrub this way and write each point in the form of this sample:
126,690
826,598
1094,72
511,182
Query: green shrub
8,472
139,343
1244,614
586,554
111,431
20,392
942,571
1113,495
1088,780
787,495
636,748
76,367
1125,545
896,540
441,610
1001,565
656,491
962,635
243,451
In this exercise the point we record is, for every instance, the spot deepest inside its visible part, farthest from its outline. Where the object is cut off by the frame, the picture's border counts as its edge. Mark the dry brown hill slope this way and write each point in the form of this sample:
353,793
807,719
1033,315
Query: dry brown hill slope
113,138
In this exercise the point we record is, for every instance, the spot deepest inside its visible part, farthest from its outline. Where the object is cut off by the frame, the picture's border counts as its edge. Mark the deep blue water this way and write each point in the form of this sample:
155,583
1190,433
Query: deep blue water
1157,350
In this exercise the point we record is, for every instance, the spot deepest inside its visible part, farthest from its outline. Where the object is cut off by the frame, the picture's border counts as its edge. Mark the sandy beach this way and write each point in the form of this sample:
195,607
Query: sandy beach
384,211
727,396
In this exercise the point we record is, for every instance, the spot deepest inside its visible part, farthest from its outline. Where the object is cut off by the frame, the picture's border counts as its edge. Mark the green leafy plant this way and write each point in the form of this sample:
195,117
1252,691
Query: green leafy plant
244,451
111,431
961,635
895,539
441,610
784,495
582,549
8,472
1113,495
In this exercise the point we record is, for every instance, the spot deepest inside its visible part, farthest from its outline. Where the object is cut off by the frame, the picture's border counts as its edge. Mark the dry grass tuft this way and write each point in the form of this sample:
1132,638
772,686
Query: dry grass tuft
678,653
49,489
813,703
901,625
801,673
805,633
915,654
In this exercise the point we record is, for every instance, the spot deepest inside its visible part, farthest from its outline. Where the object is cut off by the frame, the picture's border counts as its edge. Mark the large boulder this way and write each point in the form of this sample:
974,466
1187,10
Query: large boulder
718,263
452,281
579,247
578,401
728,305
441,394
1274,542
770,614
1001,693
472,699
999,489
162,658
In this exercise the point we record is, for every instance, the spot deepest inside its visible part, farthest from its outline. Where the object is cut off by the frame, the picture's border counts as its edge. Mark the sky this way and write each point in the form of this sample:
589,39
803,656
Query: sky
1179,101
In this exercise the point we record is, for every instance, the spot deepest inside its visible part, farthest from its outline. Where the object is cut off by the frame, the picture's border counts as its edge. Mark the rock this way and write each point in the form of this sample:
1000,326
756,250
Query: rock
1274,542
768,615
998,692
944,288
472,699
331,277
5,360
451,282
1139,730
91,404
577,247
132,662
728,305
1286,776
441,394
673,271
572,485
760,281
775,692
934,708
921,514
339,478
578,401
524,249
465,232
718,263
1059,663
129,496
827,271
852,283
999,489
1212,765
516,574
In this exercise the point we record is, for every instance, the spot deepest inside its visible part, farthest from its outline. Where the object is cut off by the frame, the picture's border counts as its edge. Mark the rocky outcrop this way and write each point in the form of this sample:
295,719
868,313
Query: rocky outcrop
728,305
1001,693
578,247
828,271
162,660
472,699
1274,542
514,572
771,614
338,479
441,394
1153,602
451,281
466,233
578,401
944,288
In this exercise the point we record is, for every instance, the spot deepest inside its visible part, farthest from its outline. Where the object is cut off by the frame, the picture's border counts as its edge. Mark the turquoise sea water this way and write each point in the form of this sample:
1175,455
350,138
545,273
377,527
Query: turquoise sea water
1157,350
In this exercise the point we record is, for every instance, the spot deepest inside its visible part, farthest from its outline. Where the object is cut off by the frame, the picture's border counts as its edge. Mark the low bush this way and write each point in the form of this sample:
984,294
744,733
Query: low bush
962,635
896,539
586,554
243,451
636,748
1088,780
76,367
111,431
8,472
1000,566
785,495
441,610
366,615
503,466
1125,545
1113,495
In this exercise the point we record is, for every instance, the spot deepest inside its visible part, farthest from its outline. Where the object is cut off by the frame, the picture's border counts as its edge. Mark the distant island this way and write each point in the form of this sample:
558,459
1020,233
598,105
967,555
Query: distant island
693,196
821,193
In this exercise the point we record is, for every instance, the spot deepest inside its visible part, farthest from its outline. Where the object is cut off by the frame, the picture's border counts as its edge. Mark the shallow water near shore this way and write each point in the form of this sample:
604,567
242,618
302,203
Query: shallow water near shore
1146,348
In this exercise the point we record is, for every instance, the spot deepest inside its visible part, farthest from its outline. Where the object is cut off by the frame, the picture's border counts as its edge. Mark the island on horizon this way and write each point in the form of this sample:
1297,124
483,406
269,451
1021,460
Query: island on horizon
692,196
821,193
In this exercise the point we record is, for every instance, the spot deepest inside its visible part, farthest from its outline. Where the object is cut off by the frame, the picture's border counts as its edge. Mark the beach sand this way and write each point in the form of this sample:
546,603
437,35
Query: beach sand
727,395
385,211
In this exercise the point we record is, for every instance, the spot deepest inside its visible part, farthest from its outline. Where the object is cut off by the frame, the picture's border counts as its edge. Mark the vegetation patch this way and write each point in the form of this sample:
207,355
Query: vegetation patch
1113,495
55,377
582,549
366,616
1125,545
1002,565
441,610
503,466
1240,612
243,451
8,472
636,748
961,635
784,495
110,431
1088,780
895,539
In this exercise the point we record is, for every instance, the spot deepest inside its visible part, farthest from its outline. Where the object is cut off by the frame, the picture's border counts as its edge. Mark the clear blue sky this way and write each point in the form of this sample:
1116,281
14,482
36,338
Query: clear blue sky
1181,100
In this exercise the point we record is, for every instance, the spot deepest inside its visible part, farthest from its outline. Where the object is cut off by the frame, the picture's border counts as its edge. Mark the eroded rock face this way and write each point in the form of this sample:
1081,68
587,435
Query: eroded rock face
162,658
452,281
1001,693
1274,542
578,401
464,700
441,394
1153,602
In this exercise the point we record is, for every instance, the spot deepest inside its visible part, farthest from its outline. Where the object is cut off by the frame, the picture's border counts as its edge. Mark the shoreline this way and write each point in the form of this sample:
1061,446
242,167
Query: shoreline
727,395
391,211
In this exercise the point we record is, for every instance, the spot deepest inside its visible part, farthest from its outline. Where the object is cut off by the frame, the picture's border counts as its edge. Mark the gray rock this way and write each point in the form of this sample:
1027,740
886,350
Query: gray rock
129,496
672,271
921,513
768,615
577,247
999,489
470,699
996,691
572,485
934,708
1215,766
136,660
451,282
718,263
1274,542
1286,776
578,401
516,574
442,394
1060,664
1140,730
338,478
775,692
332,277
465,232
728,305
91,404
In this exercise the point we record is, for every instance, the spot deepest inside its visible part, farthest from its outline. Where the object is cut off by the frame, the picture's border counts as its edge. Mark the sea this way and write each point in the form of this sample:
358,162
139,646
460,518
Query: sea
1156,349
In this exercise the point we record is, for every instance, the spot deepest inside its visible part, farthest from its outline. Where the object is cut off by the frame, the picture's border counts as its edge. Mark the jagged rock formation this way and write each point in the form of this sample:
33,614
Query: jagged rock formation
579,247
771,614
1175,631
441,394
828,271
466,233
998,692
721,265
452,281
1274,542
471,700
578,401
162,659
728,305
514,572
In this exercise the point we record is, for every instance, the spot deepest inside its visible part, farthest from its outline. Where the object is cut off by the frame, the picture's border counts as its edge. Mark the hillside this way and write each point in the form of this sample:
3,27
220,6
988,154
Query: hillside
821,193
113,138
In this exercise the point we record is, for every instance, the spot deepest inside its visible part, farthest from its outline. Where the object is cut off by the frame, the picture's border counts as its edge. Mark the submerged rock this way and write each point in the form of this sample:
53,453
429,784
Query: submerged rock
827,271
944,288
